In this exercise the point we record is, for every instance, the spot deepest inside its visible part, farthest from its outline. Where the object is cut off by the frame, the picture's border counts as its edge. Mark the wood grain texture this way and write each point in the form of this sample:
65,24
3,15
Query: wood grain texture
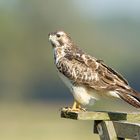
105,116
109,125
127,130
106,130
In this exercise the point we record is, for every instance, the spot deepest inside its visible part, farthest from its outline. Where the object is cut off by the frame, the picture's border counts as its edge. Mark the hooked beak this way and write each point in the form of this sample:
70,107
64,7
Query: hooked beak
51,39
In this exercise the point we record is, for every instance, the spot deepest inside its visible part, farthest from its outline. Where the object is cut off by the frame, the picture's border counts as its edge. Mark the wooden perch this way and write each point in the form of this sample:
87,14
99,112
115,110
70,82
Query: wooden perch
117,130
104,116
109,125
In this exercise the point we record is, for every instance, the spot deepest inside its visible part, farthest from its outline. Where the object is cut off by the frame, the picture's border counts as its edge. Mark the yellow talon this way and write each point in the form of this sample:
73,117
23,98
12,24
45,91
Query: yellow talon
77,107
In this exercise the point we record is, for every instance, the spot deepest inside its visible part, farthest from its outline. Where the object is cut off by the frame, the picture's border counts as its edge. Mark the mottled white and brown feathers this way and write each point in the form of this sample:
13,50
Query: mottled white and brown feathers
83,69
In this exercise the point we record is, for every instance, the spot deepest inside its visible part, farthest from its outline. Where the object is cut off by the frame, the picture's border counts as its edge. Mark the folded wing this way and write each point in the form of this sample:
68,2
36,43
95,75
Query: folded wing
83,69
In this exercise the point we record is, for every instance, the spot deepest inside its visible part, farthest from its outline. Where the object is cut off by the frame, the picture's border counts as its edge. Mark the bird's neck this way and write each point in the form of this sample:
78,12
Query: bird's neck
59,52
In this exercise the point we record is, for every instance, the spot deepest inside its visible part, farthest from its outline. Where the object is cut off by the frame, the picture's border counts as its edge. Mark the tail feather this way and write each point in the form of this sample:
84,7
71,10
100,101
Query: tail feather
132,97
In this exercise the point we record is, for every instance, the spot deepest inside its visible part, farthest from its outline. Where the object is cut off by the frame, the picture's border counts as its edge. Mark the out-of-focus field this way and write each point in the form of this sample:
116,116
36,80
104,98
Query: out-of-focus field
32,121
106,29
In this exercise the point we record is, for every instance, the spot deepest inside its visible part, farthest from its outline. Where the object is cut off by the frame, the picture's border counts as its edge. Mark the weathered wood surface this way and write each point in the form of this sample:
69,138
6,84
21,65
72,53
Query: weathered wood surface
105,130
105,116
109,125
127,130
112,130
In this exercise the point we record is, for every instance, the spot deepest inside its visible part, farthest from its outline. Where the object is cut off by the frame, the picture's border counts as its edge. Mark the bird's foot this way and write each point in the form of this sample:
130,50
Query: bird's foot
75,108
70,109
79,109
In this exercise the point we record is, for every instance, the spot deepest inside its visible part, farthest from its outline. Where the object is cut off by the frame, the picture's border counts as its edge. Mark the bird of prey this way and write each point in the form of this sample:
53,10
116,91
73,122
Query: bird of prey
90,80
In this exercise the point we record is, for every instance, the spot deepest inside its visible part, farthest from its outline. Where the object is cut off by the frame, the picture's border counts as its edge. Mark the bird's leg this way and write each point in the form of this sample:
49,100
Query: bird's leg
77,107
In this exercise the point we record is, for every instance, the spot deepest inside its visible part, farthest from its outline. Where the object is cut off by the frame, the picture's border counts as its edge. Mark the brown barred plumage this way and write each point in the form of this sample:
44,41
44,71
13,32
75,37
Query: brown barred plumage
86,71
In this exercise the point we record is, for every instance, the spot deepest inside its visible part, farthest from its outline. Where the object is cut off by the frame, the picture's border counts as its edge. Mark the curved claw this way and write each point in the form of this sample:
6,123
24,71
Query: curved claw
75,108
70,109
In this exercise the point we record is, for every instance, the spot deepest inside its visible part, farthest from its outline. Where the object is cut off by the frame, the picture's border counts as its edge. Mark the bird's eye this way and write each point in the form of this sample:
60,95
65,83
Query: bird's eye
58,35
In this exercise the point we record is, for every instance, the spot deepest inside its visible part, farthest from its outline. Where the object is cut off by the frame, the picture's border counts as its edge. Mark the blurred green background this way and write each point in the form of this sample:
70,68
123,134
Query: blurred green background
31,92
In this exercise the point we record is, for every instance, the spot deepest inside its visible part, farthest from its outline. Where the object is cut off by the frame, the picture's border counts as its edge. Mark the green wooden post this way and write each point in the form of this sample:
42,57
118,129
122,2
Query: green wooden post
105,129
128,130
109,125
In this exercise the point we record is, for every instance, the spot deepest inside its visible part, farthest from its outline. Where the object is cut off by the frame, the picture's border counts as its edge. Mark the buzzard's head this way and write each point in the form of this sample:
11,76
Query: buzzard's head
59,39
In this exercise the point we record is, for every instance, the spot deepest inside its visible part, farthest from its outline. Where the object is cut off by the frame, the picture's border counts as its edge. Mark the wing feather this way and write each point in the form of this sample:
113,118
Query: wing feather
84,69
